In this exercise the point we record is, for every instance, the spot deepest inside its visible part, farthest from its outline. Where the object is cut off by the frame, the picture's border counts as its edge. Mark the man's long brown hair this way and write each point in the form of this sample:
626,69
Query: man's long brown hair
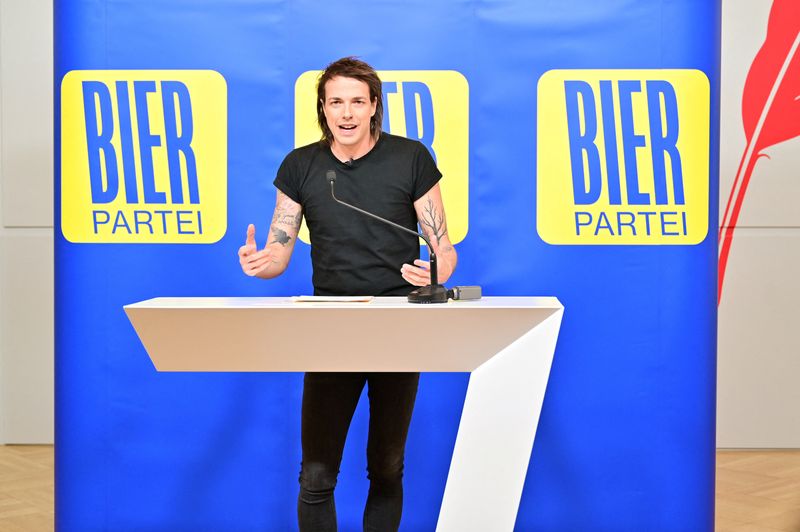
351,67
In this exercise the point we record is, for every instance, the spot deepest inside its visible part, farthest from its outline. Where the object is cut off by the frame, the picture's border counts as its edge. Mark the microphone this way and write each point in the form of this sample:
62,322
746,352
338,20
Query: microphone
432,293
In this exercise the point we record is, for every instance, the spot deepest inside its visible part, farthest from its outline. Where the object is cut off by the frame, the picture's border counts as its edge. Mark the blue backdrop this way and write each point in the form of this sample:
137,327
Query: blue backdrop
626,437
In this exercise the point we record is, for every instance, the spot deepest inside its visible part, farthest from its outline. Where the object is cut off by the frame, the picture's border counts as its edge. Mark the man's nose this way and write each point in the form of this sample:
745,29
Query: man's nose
347,111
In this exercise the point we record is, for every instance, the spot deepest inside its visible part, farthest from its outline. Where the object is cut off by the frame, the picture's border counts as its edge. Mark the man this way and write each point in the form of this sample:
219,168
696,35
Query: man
352,254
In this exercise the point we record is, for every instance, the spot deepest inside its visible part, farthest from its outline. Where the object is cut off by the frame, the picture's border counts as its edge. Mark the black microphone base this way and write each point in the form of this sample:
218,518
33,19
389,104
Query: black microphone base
429,294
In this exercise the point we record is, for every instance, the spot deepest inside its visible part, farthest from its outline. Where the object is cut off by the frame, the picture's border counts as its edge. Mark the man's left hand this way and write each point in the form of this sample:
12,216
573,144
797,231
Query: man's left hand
418,275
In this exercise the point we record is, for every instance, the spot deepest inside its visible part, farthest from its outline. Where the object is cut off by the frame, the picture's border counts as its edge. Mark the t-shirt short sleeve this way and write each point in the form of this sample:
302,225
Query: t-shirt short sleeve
288,178
426,175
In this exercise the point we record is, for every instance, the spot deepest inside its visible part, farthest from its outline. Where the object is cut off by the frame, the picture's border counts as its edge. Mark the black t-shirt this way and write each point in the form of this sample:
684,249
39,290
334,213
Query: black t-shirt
353,254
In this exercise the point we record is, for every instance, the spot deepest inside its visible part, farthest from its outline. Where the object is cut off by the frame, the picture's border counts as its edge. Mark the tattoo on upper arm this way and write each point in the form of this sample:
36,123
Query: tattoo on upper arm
281,237
432,222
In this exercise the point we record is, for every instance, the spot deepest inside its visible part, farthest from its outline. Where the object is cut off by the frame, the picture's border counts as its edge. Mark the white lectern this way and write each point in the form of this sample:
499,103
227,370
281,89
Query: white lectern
507,344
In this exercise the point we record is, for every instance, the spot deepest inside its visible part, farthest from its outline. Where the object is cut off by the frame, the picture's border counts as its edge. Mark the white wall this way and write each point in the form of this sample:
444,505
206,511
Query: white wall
26,221
759,318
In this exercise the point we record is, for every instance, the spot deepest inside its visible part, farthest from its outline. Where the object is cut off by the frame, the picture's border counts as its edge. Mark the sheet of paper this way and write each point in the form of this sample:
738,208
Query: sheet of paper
332,299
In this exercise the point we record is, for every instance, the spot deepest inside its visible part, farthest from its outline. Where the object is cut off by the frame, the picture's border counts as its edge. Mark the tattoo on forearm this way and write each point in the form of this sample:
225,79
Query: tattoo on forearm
287,218
432,222
281,237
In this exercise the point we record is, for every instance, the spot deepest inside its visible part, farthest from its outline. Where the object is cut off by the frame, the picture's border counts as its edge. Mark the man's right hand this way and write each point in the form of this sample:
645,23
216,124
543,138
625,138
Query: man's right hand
271,261
254,262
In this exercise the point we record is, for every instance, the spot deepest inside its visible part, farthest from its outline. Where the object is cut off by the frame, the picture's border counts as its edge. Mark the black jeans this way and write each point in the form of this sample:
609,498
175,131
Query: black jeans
329,400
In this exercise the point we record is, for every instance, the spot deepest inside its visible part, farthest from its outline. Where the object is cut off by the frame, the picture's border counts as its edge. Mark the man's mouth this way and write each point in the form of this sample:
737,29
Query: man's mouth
347,127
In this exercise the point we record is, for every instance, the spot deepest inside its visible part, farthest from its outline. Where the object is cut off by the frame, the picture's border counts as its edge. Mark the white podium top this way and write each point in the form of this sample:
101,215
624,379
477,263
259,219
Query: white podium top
377,302
278,334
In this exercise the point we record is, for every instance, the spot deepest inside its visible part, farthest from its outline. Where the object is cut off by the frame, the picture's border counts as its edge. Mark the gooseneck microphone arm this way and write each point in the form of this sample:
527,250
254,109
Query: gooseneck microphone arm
433,293
331,175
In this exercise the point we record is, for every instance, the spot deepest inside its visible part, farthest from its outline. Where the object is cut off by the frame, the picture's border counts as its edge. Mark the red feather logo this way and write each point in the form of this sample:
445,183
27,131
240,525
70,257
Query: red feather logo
770,110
